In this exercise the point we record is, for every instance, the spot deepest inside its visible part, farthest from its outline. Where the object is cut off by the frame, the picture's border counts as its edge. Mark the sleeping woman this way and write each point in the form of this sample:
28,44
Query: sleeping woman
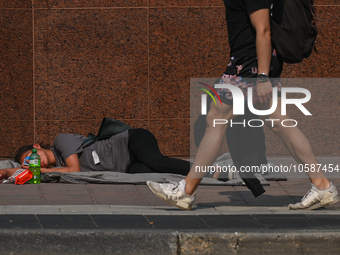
132,151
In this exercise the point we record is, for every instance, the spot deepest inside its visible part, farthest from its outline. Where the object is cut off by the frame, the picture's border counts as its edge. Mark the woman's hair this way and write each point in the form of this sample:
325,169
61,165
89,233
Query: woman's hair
26,148
21,151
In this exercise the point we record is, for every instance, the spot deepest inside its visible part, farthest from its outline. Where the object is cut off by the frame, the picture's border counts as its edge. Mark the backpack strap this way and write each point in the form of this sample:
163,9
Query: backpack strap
108,128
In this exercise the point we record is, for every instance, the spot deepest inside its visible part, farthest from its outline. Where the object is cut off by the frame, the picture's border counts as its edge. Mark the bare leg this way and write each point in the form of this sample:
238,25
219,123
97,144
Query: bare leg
297,144
210,145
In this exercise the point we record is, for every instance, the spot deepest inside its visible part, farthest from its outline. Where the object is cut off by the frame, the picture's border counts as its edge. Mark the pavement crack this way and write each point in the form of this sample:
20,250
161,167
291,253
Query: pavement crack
239,193
94,221
204,222
287,191
92,197
42,194
178,243
142,195
150,222
237,247
36,216
316,222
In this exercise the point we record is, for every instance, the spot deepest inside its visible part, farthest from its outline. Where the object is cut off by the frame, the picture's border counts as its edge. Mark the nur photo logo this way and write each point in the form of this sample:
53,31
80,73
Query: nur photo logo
239,103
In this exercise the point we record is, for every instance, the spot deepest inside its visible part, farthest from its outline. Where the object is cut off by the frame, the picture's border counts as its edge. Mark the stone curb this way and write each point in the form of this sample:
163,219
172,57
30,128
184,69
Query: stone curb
260,243
39,242
155,210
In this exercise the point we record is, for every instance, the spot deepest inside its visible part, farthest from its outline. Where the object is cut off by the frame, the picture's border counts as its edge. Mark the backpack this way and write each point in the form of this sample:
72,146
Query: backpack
293,29
108,128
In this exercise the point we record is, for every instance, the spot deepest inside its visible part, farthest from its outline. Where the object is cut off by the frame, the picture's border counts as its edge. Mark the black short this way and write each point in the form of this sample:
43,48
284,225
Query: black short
242,71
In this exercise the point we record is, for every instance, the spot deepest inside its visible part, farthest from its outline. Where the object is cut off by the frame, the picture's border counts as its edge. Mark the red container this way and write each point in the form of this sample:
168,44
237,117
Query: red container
23,177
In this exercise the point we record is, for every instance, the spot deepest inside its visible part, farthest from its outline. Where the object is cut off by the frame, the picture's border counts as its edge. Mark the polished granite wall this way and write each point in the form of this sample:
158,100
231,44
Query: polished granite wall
67,64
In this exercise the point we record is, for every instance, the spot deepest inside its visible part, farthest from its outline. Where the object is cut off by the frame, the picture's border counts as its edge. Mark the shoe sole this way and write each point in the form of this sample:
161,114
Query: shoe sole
318,205
171,202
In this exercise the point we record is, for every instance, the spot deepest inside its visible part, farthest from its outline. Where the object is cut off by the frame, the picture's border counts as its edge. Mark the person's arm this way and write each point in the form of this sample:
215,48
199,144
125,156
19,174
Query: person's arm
72,165
261,23
5,173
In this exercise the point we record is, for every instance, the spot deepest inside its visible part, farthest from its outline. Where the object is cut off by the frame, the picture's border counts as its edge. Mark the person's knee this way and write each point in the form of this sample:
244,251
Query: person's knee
274,126
218,117
280,125
216,123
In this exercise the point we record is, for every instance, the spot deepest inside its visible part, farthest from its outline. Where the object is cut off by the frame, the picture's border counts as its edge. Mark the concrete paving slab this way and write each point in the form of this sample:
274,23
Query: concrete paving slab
178,222
197,210
224,223
2,209
157,210
141,210
292,222
116,194
242,210
67,194
19,222
161,210
20,194
32,209
69,221
85,209
136,222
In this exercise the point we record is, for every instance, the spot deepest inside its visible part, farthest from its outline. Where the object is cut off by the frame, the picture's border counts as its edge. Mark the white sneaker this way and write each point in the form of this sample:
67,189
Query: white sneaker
316,198
173,193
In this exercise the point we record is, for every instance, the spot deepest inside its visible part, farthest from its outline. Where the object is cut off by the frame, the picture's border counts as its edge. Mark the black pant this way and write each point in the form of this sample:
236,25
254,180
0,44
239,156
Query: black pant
146,157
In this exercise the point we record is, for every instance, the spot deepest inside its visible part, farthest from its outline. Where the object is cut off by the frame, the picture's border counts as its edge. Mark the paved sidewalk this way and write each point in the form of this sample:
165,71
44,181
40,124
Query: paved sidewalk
222,216
210,199
278,194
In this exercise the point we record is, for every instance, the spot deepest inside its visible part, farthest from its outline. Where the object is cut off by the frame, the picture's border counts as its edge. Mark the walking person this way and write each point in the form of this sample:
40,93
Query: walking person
251,53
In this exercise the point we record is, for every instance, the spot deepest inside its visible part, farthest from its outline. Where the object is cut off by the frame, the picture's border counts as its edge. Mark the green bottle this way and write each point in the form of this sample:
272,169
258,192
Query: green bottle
35,166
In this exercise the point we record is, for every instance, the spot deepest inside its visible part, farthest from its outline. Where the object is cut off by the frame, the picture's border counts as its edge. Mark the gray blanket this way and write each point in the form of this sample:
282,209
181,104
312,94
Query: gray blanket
124,178
108,177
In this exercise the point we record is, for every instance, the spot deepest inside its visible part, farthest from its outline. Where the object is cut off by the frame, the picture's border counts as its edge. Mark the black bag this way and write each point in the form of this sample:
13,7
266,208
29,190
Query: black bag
108,128
250,156
293,29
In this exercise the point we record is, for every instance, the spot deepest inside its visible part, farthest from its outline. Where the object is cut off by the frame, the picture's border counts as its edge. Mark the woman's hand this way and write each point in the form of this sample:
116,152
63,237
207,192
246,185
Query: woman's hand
25,164
264,91
3,174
